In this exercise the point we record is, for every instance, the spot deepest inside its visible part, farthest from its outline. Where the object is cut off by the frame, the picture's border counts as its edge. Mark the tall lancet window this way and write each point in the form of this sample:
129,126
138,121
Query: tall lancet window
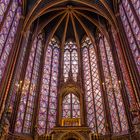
136,5
93,93
48,95
3,8
124,72
70,60
71,106
8,28
29,89
132,27
112,88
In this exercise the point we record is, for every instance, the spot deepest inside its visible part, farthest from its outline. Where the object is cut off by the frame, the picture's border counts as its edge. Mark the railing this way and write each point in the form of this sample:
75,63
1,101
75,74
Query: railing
71,122
45,137
95,136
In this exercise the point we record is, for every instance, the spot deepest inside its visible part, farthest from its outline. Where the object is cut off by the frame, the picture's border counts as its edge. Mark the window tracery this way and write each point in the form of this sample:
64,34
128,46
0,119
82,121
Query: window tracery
136,4
10,13
112,88
70,60
124,73
8,31
132,29
29,89
93,93
3,7
71,106
48,97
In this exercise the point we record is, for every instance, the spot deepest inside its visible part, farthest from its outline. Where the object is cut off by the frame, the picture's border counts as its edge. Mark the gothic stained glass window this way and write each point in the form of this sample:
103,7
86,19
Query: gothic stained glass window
28,94
116,106
132,30
93,94
136,4
16,84
71,106
132,20
70,60
8,32
3,7
48,97
124,72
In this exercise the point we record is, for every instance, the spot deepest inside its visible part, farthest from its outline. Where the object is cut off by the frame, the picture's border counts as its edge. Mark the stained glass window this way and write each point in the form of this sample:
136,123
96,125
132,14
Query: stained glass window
123,69
29,89
70,60
3,7
8,31
16,81
93,94
71,106
132,30
136,4
116,106
48,97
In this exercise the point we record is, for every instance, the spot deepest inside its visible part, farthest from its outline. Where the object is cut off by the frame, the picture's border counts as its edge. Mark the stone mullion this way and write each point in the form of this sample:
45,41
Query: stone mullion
120,77
128,78
63,51
15,109
96,125
8,74
60,79
129,61
79,74
58,87
49,89
62,65
5,71
71,114
98,59
112,86
70,78
137,77
130,27
134,12
78,48
79,66
8,33
83,87
70,72
108,121
5,14
22,78
29,88
38,91
61,71
109,126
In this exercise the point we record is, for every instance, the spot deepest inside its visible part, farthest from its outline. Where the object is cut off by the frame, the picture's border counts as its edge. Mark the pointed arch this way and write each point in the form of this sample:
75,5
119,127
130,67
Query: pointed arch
132,28
93,93
70,60
48,94
8,28
112,88
29,89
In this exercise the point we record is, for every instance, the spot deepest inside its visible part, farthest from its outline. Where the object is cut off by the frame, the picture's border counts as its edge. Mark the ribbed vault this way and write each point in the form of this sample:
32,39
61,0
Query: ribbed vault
70,19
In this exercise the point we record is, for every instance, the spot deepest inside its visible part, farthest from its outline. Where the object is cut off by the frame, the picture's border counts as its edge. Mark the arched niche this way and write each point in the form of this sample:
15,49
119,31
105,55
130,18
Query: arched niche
71,136
64,91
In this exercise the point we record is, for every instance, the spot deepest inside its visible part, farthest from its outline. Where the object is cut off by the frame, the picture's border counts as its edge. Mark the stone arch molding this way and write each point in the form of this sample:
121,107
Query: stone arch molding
71,134
70,88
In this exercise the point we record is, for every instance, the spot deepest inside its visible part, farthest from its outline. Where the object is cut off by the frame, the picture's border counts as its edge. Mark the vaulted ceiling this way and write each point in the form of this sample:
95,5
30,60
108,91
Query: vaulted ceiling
69,19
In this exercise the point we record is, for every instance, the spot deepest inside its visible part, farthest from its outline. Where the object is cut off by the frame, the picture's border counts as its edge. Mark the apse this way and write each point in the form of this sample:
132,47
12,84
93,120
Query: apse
69,69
